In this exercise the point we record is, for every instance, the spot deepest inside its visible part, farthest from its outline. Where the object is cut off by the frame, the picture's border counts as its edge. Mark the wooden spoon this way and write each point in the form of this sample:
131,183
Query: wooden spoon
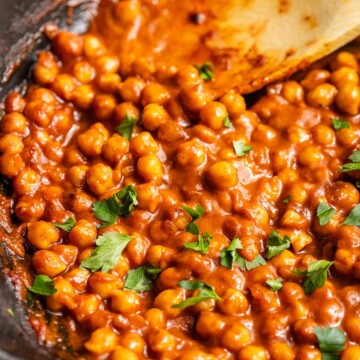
255,41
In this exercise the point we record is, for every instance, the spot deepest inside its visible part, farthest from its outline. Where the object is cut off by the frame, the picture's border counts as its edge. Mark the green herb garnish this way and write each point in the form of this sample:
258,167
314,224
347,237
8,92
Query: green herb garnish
324,213
205,292
120,204
106,255
126,128
276,244
67,225
43,285
206,70
142,278
240,148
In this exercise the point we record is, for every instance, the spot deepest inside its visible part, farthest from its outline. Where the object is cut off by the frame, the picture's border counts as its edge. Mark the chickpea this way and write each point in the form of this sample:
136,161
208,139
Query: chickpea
115,148
352,352
154,94
344,75
11,144
121,353
308,353
222,174
14,102
83,96
29,209
233,302
190,153
150,169
124,110
61,123
210,324
346,137
315,78
170,132
167,298
348,99
42,234
26,182
213,115
102,341
195,98
90,142
48,263
344,58
322,95
106,64
304,331
281,351
136,250
78,278
99,178
154,115
64,296
131,89
104,284
198,355
14,122
292,92
156,318
235,104
83,72
344,195
133,342
125,302
161,340
64,85
104,106
311,155
264,134
108,82
39,112
46,68
148,197
236,337
67,45
86,305
252,352
83,234
93,47
11,165
160,256
76,175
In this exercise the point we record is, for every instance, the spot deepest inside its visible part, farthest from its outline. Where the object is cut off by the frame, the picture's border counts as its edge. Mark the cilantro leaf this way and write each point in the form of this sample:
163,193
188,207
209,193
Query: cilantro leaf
316,275
354,217
206,70
339,124
202,244
206,292
276,244
287,199
109,248
10,312
67,225
357,184
227,123
120,204
249,265
324,213
240,148
274,284
142,278
43,285
126,128
229,254
354,164
329,356
195,214
331,340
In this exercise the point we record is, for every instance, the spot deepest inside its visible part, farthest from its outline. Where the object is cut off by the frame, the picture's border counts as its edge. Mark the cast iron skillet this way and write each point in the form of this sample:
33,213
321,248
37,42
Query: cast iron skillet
20,38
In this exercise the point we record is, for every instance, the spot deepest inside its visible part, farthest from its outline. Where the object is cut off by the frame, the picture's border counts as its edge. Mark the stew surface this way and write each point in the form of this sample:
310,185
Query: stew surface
165,219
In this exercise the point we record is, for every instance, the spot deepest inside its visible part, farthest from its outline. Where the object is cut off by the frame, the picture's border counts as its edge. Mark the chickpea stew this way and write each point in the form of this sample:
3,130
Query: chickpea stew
166,220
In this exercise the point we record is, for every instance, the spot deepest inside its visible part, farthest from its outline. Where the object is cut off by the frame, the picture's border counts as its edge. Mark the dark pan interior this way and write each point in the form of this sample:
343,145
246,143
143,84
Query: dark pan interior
21,22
